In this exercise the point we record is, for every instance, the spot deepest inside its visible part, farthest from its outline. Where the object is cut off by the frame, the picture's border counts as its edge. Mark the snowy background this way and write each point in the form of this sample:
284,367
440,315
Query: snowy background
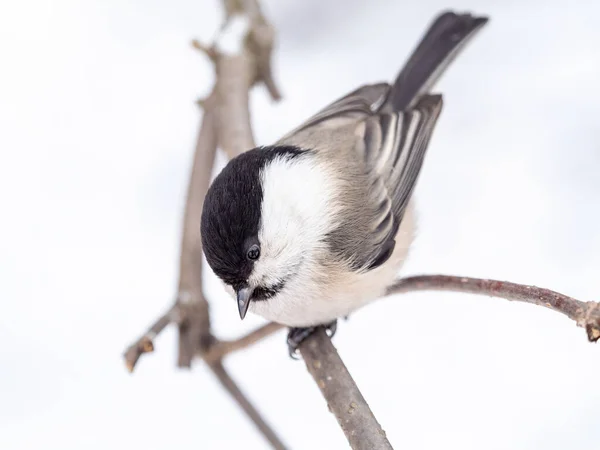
97,128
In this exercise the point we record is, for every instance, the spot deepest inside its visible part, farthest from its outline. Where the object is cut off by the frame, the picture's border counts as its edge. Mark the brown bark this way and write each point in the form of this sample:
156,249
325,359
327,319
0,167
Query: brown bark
585,314
343,397
239,65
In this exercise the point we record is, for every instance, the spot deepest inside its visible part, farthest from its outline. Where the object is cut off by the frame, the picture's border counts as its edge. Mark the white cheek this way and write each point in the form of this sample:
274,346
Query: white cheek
298,210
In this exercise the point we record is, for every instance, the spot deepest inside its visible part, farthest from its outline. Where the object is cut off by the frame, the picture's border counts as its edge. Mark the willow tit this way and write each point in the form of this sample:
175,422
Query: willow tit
309,229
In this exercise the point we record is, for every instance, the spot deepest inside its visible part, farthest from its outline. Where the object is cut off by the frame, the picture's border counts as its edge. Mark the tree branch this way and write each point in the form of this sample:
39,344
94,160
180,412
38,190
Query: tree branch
145,344
341,393
339,389
194,319
241,55
244,49
216,351
220,349
585,314
235,392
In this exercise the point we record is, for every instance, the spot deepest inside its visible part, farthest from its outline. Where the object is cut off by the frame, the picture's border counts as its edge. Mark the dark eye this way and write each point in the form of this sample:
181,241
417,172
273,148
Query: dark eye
253,252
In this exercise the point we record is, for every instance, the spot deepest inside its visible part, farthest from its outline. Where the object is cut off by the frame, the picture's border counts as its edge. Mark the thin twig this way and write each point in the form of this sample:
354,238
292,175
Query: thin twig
244,49
145,344
190,311
241,60
217,350
220,349
342,395
194,323
235,392
585,314
208,51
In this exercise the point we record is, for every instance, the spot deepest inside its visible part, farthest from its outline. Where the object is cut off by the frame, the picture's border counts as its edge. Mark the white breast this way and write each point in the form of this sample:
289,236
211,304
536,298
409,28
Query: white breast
321,296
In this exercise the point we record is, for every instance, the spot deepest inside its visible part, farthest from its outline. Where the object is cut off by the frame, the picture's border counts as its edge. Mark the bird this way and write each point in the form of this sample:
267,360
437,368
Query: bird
317,225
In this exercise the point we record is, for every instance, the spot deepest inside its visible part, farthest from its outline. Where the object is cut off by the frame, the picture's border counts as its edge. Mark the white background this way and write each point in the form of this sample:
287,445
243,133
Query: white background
97,128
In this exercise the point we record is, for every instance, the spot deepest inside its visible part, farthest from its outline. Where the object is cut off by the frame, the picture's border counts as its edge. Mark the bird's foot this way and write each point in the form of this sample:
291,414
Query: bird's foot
297,336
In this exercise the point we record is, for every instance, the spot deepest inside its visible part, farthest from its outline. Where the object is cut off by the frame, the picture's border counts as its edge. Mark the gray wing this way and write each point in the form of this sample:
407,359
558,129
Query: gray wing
385,152
353,107
393,147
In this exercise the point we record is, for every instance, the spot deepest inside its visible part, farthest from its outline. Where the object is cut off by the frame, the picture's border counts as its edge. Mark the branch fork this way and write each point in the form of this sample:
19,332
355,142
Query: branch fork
241,56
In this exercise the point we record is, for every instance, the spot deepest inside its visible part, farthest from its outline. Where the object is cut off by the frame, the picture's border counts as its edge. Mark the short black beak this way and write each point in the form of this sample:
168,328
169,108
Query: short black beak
243,300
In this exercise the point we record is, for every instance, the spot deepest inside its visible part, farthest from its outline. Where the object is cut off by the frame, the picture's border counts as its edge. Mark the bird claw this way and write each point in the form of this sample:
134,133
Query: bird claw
296,336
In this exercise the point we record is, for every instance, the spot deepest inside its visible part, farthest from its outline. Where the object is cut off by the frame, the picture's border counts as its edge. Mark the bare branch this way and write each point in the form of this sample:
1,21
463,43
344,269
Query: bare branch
244,47
235,392
190,311
341,393
262,41
585,314
241,55
145,344
235,134
208,51
194,320
220,349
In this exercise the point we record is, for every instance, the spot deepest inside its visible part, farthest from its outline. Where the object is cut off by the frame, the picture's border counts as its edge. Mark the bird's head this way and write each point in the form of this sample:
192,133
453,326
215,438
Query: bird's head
264,222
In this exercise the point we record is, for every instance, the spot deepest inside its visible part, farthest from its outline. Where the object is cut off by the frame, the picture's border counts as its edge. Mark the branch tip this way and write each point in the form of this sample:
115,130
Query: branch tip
201,103
591,321
272,89
593,332
585,314
208,51
146,345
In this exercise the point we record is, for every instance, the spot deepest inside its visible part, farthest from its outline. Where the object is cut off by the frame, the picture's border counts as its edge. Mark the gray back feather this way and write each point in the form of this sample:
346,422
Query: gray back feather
378,135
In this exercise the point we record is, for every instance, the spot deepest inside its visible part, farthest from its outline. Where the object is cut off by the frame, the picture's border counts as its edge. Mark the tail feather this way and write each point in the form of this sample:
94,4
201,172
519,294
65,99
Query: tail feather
445,38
